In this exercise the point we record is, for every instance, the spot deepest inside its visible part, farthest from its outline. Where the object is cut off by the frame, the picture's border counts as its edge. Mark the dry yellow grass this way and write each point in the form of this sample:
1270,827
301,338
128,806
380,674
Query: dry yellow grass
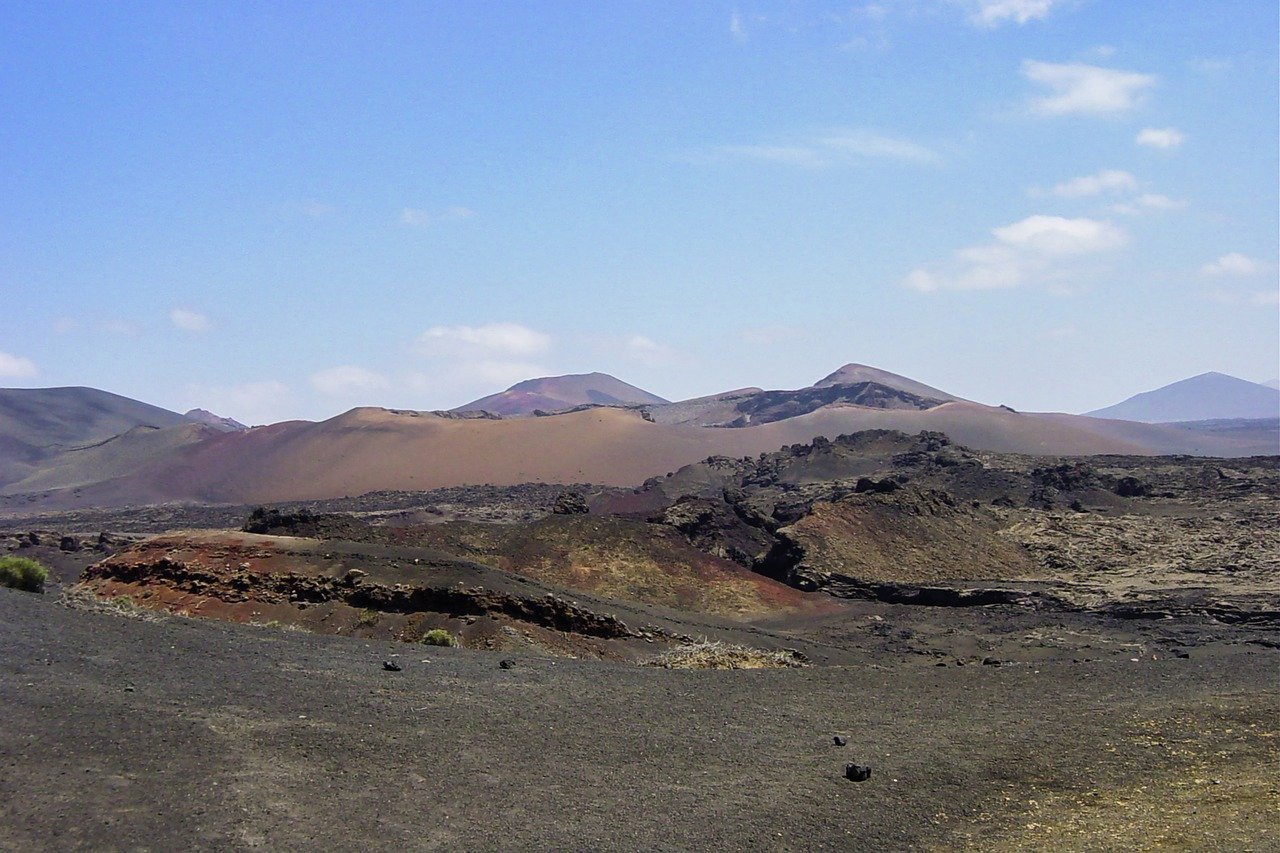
713,654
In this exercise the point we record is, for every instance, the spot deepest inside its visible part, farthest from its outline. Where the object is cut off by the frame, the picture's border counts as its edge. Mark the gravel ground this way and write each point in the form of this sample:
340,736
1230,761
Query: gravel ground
183,733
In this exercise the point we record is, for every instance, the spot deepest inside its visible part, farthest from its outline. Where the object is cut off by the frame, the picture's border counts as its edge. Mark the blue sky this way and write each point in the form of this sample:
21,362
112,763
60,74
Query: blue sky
285,210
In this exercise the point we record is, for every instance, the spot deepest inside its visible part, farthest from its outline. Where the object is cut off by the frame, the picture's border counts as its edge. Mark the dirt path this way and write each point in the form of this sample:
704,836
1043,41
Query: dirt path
188,733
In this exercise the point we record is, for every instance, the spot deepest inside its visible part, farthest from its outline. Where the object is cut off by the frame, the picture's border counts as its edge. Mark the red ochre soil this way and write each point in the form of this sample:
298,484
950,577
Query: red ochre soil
401,593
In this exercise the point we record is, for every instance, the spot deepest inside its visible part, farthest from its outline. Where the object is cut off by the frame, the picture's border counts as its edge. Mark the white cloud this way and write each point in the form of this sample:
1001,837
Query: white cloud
1077,88
189,321
453,381
736,27
1057,235
347,379
1233,264
1207,65
471,361
1036,249
1149,203
421,218
864,143
1160,137
16,367
263,402
829,148
1106,181
494,339
993,13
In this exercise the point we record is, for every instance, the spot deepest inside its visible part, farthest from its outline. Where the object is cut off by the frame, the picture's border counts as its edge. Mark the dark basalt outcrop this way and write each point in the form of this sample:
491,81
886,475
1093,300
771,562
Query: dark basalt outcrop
768,406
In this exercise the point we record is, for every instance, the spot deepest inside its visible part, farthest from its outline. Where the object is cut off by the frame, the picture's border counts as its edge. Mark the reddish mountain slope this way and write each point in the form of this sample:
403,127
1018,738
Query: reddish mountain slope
555,393
370,449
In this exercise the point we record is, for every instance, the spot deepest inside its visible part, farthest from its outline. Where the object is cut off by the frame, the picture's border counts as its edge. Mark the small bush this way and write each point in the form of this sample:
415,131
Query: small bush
367,618
81,597
711,654
439,637
22,573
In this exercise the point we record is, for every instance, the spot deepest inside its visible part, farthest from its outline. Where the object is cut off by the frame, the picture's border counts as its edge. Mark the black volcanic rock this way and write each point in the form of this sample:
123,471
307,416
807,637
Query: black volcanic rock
769,406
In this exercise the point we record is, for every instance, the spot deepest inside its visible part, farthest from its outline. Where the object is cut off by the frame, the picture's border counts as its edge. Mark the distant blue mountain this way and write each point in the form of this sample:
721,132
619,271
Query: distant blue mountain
1209,396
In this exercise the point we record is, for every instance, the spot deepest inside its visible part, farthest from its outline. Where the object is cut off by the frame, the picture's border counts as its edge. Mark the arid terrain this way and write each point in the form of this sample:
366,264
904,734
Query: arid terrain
103,450
1030,653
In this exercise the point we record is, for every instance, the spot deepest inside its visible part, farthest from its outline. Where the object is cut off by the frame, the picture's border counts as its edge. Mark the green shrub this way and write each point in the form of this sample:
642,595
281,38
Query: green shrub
439,637
22,573
367,618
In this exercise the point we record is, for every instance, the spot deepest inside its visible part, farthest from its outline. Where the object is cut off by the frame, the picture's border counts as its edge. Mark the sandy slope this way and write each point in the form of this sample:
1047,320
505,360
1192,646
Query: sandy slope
117,456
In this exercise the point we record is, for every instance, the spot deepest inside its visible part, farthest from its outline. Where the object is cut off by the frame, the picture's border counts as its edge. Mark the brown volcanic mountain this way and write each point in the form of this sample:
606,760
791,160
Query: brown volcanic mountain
39,423
852,374
755,407
377,449
373,449
556,393
851,385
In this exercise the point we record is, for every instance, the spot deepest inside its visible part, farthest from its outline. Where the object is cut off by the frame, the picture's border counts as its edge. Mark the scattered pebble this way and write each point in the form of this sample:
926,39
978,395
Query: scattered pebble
838,740
507,663
391,666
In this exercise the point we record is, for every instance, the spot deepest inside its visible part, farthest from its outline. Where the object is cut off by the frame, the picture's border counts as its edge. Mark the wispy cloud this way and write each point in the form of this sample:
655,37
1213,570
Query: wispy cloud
1148,203
787,155
506,339
737,28
110,325
1233,264
189,321
1253,298
1160,137
477,360
317,209
993,13
650,353
420,217
1036,249
867,144
259,402
16,367
1079,89
1210,65
1105,181
829,148
347,379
